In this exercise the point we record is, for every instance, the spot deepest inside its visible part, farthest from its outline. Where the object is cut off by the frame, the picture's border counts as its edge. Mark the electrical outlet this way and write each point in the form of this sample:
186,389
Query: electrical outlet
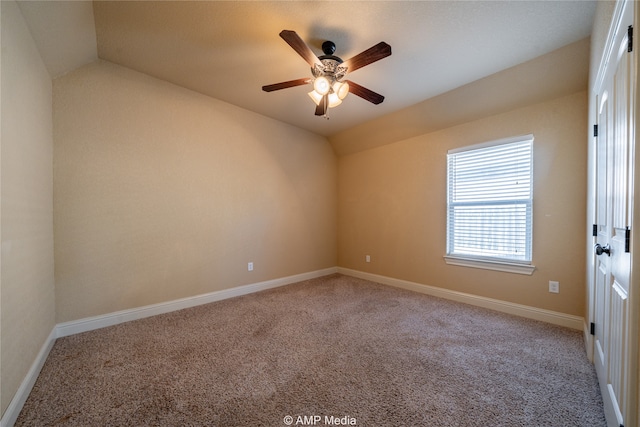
250,266
554,287
367,258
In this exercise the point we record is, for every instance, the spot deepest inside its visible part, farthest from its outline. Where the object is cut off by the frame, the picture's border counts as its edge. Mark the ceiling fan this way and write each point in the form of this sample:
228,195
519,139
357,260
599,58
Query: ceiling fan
328,72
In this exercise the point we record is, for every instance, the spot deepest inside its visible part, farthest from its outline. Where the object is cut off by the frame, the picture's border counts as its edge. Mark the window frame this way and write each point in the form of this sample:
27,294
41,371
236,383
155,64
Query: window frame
491,262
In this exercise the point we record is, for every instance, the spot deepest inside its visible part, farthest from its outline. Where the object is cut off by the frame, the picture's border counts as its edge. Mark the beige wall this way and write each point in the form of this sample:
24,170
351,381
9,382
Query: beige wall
163,193
27,279
392,206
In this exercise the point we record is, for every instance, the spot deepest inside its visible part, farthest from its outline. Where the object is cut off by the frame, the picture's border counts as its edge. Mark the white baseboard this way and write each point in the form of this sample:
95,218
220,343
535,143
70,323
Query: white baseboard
88,324
110,319
554,317
15,406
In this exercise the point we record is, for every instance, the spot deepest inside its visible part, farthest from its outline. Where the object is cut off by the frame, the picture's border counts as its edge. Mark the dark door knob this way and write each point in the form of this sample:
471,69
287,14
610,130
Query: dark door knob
599,250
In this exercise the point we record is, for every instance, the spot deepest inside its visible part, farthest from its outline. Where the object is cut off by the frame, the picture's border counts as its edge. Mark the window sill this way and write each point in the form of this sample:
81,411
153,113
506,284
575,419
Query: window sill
508,267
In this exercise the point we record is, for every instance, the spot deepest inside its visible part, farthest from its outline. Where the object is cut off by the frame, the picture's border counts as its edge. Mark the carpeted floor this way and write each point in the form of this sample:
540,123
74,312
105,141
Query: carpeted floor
337,346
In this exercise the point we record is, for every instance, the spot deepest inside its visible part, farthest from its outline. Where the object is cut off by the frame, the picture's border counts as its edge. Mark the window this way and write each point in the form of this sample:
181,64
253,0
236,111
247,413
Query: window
489,205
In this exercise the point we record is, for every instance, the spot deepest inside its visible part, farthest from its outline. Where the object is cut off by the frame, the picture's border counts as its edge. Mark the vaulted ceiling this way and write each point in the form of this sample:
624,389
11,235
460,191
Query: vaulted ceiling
230,49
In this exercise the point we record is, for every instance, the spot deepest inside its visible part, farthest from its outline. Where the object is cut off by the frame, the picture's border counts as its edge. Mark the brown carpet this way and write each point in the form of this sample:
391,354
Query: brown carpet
337,347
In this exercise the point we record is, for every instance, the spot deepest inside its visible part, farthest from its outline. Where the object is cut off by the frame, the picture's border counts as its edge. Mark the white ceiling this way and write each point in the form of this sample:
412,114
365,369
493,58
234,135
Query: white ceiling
230,49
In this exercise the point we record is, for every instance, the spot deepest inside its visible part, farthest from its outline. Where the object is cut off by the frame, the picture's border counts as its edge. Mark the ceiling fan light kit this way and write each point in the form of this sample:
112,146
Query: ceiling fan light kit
328,70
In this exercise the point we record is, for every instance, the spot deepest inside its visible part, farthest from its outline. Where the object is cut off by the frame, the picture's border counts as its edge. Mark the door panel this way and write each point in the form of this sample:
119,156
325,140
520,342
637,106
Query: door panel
621,137
617,346
599,320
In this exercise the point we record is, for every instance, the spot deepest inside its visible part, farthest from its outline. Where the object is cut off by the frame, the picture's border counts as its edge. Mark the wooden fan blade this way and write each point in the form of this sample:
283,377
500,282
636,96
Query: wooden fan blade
284,85
364,93
321,109
294,40
373,54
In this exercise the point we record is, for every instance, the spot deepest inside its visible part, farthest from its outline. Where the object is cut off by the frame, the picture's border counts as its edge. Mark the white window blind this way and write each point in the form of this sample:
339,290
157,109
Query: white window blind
489,200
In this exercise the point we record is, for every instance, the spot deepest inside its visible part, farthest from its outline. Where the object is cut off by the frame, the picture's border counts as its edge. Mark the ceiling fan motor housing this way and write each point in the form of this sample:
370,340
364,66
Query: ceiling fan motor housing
331,67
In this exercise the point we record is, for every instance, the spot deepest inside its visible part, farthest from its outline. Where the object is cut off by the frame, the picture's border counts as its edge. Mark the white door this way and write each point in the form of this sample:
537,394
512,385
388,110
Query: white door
614,199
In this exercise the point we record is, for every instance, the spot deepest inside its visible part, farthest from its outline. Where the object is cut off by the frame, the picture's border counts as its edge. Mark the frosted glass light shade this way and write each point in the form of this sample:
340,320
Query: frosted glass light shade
321,85
342,89
334,100
315,96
